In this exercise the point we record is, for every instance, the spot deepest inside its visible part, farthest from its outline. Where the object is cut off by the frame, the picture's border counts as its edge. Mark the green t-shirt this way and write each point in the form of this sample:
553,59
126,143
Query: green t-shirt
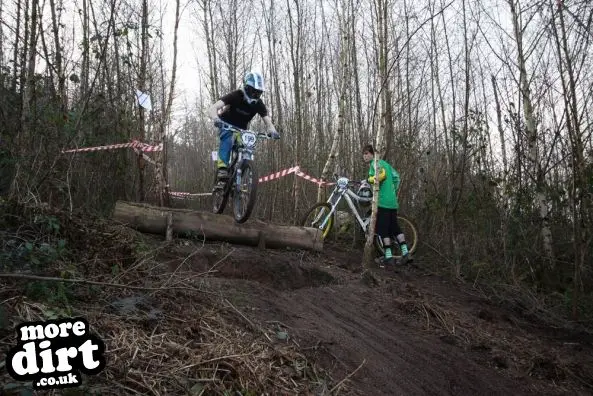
388,187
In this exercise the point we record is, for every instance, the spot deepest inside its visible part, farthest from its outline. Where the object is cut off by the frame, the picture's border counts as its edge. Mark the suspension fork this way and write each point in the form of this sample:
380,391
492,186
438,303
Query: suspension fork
241,158
333,205
238,172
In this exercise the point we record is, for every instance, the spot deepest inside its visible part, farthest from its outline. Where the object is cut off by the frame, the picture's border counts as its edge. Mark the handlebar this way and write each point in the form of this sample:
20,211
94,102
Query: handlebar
350,182
237,129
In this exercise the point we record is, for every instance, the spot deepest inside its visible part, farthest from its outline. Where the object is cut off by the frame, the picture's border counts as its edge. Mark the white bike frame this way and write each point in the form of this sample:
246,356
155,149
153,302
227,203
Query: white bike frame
342,191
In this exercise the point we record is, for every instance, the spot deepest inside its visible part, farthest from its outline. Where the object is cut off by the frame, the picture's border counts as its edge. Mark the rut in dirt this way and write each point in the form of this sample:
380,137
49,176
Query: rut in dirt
343,323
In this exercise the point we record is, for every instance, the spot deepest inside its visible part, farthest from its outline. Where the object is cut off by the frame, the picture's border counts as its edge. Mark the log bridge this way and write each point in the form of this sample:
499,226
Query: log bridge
184,222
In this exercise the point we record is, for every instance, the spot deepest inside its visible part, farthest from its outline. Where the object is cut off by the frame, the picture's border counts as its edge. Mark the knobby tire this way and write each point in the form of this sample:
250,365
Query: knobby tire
410,232
330,223
252,196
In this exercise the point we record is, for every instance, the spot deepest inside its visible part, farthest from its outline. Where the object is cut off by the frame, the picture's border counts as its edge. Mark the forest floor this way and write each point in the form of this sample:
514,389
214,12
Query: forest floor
191,318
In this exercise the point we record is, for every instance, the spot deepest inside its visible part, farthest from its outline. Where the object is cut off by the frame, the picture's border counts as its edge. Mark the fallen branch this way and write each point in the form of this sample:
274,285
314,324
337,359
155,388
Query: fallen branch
88,282
213,360
439,253
339,384
241,314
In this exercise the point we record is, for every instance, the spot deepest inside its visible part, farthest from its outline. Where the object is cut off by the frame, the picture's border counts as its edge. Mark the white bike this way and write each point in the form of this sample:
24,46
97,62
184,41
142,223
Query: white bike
322,214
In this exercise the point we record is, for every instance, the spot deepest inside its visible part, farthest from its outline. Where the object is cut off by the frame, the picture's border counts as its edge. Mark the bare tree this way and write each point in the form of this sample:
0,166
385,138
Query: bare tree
345,20
530,123
580,199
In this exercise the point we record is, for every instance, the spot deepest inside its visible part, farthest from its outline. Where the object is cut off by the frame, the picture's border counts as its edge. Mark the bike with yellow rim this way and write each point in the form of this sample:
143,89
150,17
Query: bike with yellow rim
322,214
241,186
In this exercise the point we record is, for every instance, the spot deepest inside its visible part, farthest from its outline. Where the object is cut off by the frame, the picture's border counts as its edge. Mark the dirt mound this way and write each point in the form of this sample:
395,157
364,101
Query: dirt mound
165,330
281,270
418,334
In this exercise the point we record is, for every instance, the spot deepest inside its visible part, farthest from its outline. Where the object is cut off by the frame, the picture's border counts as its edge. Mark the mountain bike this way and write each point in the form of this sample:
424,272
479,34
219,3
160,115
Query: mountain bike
322,214
241,168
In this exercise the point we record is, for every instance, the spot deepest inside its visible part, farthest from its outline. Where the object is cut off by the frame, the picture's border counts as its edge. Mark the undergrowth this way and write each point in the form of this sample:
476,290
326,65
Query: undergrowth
55,264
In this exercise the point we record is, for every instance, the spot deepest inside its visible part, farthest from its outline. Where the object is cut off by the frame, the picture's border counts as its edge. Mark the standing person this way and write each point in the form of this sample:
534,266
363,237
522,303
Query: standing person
238,109
387,224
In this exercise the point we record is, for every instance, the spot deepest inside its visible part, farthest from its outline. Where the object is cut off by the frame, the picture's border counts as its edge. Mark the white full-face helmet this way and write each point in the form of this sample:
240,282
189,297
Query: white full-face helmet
365,191
253,87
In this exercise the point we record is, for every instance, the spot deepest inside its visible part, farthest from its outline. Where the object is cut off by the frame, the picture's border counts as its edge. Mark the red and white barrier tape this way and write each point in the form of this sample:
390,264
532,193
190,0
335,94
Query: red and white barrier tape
187,195
313,179
298,172
277,175
133,144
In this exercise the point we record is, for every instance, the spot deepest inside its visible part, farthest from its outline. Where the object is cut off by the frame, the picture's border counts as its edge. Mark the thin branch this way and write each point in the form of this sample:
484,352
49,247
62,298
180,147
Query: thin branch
87,282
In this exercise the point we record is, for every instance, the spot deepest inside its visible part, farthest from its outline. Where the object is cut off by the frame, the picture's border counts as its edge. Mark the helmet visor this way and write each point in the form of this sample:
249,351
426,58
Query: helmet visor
252,92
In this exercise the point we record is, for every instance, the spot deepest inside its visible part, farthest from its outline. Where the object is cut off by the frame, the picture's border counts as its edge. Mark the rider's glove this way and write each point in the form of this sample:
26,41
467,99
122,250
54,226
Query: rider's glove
218,122
274,134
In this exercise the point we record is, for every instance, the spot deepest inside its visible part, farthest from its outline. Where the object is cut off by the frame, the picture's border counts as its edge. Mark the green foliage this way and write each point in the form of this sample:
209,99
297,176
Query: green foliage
52,293
35,254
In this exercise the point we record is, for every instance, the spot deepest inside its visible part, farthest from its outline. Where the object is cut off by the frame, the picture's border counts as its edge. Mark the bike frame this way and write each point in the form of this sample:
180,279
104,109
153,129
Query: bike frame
242,150
342,191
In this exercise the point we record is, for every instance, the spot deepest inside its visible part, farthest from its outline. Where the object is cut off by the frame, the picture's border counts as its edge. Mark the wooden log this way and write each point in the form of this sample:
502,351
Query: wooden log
153,220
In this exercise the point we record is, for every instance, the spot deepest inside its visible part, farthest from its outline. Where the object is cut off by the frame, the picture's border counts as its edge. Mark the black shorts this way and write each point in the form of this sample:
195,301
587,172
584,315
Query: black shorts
387,224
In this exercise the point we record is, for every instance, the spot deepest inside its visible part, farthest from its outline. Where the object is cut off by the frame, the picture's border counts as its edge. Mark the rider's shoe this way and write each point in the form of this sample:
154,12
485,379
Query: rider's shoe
406,259
222,174
382,262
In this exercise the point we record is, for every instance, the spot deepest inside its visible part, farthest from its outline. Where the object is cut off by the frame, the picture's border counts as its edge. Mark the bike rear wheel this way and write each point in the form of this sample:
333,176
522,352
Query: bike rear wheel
244,198
316,215
410,232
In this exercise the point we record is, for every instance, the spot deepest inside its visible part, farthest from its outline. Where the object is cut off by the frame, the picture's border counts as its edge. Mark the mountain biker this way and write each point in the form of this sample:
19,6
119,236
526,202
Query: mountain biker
238,109
387,224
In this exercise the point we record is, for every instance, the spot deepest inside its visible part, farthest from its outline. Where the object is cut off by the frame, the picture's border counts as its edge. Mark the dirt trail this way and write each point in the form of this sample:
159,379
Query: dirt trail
411,334
417,335
398,359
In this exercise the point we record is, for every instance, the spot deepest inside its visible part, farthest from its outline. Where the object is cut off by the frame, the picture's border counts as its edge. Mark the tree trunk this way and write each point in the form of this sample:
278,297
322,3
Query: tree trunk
152,219
211,49
161,157
142,87
59,63
503,179
28,102
580,202
500,130
380,136
296,44
343,91
369,248
530,122
17,40
84,78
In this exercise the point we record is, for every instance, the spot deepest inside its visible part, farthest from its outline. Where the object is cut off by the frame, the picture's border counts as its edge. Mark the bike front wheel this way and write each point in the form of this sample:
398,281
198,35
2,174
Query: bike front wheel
410,232
315,217
245,194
